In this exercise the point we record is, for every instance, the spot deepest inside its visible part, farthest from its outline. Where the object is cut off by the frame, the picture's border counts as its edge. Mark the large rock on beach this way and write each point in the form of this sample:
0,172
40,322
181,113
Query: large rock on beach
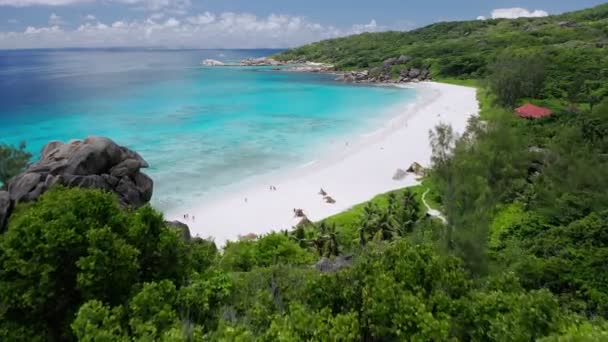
414,73
94,162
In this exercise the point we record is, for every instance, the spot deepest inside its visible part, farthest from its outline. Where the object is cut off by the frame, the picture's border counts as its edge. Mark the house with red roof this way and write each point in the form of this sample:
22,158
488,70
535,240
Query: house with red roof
530,111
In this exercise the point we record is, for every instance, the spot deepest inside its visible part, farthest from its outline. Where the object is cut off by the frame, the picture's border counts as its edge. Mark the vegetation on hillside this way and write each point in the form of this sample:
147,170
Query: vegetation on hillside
572,47
522,256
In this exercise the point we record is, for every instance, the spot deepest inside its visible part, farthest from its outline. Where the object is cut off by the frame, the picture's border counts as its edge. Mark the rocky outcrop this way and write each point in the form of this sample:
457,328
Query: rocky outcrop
212,62
567,24
263,61
383,75
416,169
354,76
94,162
299,66
5,208
386,73
403,59
396,61
328,265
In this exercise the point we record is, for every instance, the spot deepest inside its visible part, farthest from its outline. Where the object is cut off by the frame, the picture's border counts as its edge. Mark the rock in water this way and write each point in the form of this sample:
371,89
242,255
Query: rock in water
5,208
212,62
94,162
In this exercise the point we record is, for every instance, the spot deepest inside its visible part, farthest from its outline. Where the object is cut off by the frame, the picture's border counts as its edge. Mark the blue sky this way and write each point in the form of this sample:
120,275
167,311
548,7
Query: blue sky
237,23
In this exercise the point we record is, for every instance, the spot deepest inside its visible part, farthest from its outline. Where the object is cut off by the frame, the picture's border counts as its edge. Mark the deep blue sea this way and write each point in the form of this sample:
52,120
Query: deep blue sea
200,128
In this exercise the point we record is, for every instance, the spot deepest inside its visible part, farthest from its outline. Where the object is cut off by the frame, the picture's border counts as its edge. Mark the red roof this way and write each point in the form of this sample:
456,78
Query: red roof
531,111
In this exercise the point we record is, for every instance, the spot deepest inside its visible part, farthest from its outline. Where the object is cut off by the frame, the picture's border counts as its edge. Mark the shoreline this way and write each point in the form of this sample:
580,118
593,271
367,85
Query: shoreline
351,174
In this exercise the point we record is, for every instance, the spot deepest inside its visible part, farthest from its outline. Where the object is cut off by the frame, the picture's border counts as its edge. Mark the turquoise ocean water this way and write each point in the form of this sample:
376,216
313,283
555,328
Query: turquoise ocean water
200,128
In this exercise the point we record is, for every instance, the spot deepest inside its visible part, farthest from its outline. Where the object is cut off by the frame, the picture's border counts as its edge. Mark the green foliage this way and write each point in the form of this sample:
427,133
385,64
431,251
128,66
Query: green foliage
12,161
505,219
512,77
151,310
73,246
302,325
580,332
97,323
475,173
509,316
528,196
349,221
271,249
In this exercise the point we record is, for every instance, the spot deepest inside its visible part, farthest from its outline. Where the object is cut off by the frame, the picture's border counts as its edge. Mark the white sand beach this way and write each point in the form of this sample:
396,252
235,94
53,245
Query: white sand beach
353,174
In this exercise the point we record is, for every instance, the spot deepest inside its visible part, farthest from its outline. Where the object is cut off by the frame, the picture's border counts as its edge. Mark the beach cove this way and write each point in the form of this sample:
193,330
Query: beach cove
351,174
215,136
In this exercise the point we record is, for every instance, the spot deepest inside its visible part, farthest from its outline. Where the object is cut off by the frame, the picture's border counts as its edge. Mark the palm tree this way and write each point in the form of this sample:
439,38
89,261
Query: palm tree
333,247
318,242
410,202
393,204
409,213
299,236
407,220
387,226
367,222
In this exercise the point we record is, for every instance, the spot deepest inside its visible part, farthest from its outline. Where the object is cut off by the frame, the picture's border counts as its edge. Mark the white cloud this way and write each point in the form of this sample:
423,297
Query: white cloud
517,12
30,30
371,27
55,20
90,17
171,22
202,19
205,30
481,17
119,24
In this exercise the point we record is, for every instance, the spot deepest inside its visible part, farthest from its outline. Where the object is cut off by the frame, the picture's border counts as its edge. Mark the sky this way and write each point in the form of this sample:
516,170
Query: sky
238,23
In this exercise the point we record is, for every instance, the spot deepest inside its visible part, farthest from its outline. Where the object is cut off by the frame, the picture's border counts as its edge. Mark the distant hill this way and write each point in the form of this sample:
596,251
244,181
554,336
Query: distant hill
574,44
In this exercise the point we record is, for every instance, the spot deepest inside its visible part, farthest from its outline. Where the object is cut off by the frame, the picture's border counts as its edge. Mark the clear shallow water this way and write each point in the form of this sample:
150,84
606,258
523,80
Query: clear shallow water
200,128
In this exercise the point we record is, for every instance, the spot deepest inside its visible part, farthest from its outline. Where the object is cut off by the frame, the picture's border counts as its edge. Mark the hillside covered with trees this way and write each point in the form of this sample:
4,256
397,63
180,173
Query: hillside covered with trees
572,47
523,255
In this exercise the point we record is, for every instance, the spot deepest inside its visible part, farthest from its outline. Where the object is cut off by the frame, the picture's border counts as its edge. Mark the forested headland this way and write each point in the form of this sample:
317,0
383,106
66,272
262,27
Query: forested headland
523,255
